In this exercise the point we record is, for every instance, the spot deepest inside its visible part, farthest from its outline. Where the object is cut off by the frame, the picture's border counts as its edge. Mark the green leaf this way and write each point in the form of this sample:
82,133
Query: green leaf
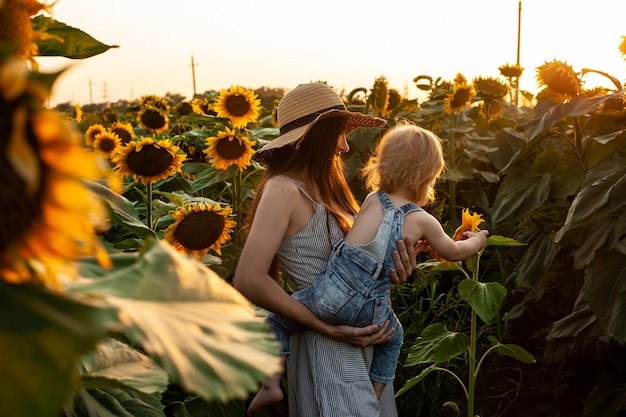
436,344
497,240
601,198
65,41
123,212
484,297
519,195
416,379
114,403
42,337
605,291
513,351
116,365
202,331
548,115
454,406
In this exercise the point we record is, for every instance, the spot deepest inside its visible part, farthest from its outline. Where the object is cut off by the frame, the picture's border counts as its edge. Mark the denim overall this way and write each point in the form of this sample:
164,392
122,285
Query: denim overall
355,290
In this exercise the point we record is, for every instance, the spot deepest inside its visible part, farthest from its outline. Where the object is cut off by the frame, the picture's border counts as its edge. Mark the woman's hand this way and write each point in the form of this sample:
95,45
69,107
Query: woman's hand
406,260
362,336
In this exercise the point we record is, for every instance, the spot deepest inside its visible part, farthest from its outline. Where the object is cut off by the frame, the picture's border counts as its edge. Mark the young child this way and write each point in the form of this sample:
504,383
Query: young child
355,288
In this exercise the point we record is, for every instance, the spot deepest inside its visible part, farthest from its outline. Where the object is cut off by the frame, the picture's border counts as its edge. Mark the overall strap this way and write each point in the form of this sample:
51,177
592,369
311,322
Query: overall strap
387,204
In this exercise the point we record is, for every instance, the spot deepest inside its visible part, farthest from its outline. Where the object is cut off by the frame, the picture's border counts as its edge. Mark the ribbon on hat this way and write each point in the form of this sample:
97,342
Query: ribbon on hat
305,120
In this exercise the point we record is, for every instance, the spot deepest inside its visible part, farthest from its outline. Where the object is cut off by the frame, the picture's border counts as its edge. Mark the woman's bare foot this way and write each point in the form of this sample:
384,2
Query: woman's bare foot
269,394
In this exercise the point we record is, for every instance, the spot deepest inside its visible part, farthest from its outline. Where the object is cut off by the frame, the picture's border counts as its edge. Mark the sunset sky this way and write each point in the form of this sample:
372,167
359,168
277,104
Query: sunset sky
347,43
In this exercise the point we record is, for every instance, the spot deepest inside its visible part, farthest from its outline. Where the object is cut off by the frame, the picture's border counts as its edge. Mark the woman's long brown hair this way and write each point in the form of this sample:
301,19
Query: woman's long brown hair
316,157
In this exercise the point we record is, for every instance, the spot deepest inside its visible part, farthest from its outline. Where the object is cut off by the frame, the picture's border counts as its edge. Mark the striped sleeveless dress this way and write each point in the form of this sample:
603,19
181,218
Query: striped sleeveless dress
326,377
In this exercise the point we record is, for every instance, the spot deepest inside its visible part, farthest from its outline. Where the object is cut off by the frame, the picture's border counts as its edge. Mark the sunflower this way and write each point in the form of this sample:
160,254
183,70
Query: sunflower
228,148
489,88
459,99
16,28
92,132
79,115
50,217
560,77
154,101
184,108
149,160
200,227
154,119
239,105
124,131
106,143
511,71
202,106
379,96
622,47
469,223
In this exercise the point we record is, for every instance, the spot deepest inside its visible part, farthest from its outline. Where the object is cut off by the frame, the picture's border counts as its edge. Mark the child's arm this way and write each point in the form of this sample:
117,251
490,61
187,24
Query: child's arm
443,244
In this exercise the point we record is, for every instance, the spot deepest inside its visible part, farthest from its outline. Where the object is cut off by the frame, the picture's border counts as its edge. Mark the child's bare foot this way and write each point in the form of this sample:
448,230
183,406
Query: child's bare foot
269,394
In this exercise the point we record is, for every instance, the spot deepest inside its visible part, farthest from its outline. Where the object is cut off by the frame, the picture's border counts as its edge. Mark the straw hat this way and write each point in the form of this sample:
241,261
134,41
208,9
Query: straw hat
302,107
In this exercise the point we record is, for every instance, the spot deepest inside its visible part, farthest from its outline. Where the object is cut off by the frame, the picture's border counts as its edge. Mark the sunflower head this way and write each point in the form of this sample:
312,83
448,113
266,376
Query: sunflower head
511,71
93,131
469,223
459,99
16,28
228,148
241,106
202,106
200,227
148,160
622,47
124,131
50,217
395,98
184,108
560,77
154,101
153,119
106,143
379,97
489,88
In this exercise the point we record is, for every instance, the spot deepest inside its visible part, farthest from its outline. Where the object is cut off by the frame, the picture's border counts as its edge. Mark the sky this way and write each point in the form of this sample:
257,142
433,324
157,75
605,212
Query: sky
346,43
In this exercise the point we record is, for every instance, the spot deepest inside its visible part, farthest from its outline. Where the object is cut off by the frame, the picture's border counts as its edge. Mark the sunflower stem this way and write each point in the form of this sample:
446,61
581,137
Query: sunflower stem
236,201
149,205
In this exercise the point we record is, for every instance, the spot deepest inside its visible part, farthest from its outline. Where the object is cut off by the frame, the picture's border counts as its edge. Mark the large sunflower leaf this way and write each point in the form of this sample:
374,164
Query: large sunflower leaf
603,197
512,351
118,365
123,211
114,403
202,331
497,240
416,379
42,337
548,115
605,290
518,196
65,41
484,297
436,344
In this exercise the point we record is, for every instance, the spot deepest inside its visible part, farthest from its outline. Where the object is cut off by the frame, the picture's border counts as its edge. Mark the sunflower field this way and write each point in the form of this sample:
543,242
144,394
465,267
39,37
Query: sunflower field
123,227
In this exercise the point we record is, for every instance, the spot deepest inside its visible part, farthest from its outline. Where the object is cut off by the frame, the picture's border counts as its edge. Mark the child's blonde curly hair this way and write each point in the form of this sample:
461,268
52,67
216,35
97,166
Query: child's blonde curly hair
407,156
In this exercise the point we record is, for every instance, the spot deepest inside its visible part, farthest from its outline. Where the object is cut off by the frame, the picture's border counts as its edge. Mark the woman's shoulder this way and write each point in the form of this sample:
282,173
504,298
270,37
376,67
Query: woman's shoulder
282,184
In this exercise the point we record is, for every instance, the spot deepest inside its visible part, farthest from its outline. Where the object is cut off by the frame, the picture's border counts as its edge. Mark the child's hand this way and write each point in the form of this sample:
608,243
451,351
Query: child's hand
481,235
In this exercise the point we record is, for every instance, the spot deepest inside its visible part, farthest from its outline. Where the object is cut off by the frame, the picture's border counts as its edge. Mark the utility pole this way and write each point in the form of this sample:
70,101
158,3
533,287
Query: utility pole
519,31
193,76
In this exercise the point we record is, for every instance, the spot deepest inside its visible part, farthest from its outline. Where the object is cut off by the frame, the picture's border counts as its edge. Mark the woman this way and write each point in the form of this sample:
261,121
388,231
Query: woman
302,208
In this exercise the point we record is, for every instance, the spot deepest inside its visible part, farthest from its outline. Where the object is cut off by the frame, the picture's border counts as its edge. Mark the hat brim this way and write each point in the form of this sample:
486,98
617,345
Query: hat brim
295,136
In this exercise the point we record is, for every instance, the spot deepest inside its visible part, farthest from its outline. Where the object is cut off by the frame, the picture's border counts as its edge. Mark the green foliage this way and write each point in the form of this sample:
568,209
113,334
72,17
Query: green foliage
66,41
